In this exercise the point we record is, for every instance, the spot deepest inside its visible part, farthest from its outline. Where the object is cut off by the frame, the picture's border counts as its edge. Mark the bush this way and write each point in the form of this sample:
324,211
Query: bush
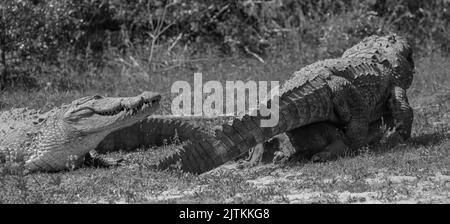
39,37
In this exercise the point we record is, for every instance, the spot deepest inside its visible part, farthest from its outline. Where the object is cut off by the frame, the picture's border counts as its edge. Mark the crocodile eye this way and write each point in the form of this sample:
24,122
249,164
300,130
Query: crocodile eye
97,97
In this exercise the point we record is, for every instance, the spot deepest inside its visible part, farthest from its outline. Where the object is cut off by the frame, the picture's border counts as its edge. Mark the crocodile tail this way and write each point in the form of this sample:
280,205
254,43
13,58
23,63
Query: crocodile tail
299,106
149,132
201,153
302,105
198,152
306,104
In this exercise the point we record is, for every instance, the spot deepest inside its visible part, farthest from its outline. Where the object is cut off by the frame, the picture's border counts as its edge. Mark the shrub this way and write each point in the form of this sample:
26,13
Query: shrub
39,37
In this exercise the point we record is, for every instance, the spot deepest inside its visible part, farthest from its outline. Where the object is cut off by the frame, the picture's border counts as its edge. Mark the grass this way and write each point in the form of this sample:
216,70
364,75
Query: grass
415,172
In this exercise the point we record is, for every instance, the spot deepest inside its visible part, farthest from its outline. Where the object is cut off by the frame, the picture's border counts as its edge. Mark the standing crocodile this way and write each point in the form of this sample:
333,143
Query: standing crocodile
364,86
62,137
326,139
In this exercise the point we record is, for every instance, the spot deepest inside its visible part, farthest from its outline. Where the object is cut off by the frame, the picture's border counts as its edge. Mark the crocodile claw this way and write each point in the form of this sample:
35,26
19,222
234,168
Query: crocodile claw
92,159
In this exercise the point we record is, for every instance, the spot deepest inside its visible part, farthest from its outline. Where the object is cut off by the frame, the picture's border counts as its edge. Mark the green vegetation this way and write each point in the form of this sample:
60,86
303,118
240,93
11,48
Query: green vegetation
55,51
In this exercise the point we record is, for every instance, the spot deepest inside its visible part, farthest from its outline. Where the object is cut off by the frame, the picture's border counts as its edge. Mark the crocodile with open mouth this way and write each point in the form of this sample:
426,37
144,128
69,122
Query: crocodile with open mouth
64,136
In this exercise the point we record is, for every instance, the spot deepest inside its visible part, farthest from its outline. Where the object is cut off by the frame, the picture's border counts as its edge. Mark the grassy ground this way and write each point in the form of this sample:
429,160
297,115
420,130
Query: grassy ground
416,172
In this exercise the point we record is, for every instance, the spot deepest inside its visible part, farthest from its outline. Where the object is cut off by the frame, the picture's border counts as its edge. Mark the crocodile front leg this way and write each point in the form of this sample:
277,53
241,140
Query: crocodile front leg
398,116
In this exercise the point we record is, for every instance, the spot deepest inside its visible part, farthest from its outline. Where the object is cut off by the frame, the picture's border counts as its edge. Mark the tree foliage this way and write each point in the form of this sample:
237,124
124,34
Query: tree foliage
34,32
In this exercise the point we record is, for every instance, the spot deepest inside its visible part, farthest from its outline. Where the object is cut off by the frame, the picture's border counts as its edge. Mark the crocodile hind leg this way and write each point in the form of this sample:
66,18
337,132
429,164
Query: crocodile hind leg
334,150
324,141
319,142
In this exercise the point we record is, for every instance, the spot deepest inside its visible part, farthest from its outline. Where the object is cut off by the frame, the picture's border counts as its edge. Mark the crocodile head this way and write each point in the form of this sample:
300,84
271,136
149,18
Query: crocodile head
96,114
72,130
392,50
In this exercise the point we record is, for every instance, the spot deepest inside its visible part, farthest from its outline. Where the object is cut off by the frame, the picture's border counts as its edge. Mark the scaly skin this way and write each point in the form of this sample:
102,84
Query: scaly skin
317,142
62,137
314,103
151,131
348,92
392,51
197,152
319,96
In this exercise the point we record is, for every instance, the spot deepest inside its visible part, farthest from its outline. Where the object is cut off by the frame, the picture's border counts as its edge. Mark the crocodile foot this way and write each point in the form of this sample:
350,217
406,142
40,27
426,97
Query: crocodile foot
280,157
261,154
394,140
331,152
93,159
243,164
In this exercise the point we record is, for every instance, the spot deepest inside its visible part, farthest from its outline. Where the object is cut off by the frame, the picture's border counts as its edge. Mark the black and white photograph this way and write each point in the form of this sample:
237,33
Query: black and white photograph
249,102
